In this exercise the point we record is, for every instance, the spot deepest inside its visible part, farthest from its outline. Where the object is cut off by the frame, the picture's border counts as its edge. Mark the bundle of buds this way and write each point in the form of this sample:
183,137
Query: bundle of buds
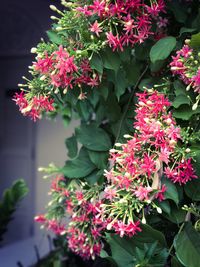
186,65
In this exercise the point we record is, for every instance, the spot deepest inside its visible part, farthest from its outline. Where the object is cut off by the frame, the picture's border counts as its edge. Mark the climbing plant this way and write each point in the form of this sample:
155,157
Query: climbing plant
129,70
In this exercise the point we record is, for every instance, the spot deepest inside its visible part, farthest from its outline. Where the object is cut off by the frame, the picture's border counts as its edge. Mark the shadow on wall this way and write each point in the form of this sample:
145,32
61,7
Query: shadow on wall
22,24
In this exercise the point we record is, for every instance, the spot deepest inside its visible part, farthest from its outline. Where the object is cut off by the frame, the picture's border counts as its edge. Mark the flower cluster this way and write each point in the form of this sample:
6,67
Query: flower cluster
77,205
35,106
122,22
61,71
135,179
85,28
186,65
134,183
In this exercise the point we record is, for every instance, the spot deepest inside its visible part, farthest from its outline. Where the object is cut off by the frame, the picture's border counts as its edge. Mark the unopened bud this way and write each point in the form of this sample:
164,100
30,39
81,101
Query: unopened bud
59,29
127,136
42,78
109,226
144,220
52,7
159,210
33,50
118,144
168,121
112,150
187,41
195,106
187,150
54,18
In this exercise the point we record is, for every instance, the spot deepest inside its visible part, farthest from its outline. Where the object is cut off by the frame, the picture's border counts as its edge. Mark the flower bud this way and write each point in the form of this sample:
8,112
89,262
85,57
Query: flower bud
52,7
33,50
159,210
195,106
144,220
187,150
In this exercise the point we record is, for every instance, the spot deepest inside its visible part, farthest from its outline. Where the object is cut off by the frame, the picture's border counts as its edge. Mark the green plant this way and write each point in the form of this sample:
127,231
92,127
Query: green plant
129,70
9,202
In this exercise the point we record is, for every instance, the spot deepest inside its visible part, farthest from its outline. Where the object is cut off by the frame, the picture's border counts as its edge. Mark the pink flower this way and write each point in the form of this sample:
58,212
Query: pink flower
142,192
96,28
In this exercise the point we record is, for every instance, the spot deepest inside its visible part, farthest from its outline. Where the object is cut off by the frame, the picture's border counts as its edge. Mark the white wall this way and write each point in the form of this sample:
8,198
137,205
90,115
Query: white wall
50,147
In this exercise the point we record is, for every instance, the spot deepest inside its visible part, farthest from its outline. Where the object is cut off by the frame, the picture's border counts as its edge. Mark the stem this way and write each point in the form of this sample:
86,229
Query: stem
129,102
180,229
187,217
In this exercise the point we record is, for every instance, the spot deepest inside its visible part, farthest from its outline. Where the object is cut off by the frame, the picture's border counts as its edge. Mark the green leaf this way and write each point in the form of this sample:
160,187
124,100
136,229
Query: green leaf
80,167
103,90
97,63
120,83
132,69
123,249
93,177
175,262
84,109
195,41
71,144
177,215
162,49
171,192
113,110
111,60
185,112
180,11
180,100
165,206
187,246
192,189
100,159
179,88
186,30
93,138
54,37
8,204
155,67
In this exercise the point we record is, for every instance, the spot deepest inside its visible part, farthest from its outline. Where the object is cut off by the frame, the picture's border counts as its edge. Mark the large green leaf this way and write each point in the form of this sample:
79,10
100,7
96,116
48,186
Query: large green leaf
100,159
187,246
72,147
80,167
180,100
162,49
185,112
124,249
93,138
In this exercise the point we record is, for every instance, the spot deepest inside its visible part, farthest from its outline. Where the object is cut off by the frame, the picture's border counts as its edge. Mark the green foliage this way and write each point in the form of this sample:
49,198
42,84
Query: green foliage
9,202
187,246
93,138
108,113
162,49
147,248
171,192
195,41
79,167
72,146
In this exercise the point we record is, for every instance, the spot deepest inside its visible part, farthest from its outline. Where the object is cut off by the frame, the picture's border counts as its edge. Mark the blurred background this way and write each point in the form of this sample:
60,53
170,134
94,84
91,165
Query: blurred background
24,145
